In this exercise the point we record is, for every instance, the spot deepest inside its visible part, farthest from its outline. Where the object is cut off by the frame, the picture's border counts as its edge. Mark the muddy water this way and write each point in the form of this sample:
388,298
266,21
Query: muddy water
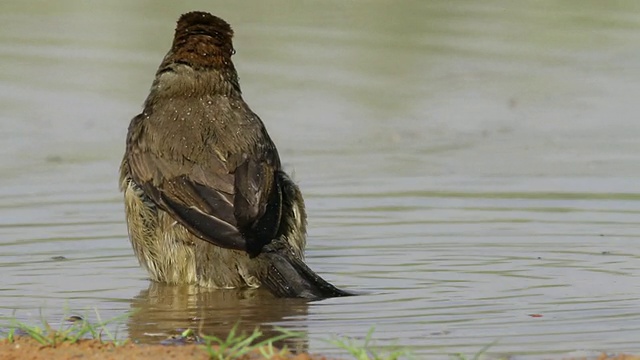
465,165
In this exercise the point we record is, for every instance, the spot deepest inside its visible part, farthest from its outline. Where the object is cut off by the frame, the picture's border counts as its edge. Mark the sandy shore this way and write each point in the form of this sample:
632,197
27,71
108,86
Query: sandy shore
24,348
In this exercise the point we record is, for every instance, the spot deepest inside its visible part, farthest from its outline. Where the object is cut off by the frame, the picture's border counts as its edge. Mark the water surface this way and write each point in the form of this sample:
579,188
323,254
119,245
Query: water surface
465,165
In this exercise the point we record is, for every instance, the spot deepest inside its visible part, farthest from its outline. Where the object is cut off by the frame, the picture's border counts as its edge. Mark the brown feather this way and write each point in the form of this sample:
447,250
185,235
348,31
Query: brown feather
206,199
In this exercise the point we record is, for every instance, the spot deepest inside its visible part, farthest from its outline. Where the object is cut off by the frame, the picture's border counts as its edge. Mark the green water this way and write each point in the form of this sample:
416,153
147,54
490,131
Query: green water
465,164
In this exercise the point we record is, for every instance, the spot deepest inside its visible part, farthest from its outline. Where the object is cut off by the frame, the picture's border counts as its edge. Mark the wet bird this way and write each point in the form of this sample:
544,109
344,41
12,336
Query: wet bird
206,199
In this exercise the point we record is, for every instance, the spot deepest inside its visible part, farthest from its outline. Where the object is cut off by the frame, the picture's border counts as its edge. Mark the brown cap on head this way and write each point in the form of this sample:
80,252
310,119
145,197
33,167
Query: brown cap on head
202,40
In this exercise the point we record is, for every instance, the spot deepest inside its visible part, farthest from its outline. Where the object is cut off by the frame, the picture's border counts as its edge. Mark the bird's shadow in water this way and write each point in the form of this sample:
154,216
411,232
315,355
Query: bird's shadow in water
165,311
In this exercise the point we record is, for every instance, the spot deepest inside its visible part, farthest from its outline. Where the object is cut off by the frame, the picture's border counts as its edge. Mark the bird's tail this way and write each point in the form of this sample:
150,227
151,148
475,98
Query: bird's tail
288,276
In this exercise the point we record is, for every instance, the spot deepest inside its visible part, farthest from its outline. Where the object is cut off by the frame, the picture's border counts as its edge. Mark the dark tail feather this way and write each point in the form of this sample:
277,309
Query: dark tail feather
288,276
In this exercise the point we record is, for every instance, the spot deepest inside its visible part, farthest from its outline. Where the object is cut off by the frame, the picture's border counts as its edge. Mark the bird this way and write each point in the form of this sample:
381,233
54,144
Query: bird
207,201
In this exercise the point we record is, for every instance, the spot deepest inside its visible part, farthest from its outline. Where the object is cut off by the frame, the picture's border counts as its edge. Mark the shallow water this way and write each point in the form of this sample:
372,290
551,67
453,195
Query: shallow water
465,165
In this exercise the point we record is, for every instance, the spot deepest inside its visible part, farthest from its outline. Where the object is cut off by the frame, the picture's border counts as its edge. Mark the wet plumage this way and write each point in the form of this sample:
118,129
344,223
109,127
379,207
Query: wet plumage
206,199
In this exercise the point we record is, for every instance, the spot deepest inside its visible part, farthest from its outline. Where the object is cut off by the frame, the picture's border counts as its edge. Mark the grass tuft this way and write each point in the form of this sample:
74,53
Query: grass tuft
236,345
368,350
71,330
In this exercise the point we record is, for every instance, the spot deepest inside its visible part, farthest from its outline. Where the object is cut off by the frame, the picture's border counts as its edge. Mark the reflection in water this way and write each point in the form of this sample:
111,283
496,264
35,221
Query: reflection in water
162,311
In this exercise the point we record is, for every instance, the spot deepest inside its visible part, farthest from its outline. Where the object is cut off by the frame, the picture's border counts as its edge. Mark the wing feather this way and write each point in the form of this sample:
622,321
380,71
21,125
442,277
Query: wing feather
231,204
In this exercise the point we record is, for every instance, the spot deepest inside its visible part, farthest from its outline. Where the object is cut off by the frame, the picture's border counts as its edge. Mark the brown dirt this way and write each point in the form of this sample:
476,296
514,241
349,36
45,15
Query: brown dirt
25,348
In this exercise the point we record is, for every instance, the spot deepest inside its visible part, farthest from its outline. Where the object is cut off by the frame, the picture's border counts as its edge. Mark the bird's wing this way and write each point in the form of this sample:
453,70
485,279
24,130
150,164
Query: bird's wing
232,203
